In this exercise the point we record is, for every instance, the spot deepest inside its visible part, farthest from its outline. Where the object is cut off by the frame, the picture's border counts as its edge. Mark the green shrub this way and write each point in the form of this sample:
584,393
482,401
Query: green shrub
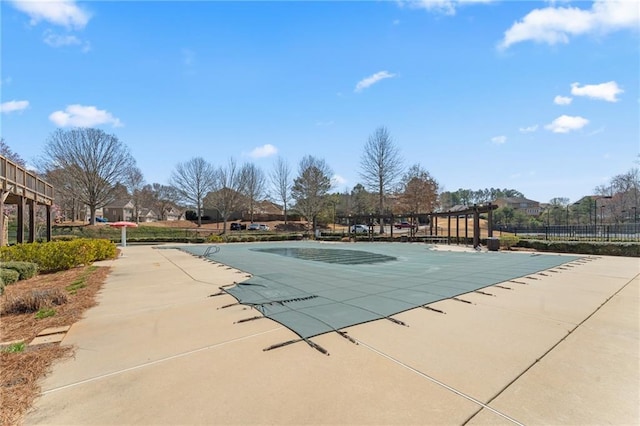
26,270
9,276
215,239
1,286
508,241
580,247
60,255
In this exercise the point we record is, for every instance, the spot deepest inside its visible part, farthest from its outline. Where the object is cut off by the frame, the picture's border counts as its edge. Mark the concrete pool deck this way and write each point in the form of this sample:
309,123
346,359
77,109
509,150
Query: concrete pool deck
561,349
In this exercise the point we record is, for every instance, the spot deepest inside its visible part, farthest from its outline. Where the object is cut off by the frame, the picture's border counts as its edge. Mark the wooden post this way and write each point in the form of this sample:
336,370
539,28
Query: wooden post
20,230
490,221
449,229
457,229
476,227
32,221
48,208
2,224
466,228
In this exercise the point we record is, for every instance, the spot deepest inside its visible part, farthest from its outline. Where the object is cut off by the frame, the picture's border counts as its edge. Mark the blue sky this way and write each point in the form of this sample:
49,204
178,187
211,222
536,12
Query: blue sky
543,97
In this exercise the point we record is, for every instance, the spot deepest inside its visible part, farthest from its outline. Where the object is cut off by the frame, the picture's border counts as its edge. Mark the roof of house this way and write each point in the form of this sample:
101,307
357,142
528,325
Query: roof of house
516,200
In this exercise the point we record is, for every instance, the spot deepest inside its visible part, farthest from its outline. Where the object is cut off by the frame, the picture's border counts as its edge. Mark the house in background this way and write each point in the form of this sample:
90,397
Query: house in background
147,215
173,213
118,210
524,205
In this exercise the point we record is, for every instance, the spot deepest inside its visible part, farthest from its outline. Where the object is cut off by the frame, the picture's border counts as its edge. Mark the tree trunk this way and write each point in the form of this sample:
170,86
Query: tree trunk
92,215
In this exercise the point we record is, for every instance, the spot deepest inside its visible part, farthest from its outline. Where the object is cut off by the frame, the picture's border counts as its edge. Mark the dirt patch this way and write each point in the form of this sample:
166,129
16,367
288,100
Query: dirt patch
21,371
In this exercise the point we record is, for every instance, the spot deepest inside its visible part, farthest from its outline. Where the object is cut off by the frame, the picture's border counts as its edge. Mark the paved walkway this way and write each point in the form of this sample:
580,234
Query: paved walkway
561,349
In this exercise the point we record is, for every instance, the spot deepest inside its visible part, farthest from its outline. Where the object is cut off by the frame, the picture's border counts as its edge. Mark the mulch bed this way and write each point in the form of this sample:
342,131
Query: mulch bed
20,372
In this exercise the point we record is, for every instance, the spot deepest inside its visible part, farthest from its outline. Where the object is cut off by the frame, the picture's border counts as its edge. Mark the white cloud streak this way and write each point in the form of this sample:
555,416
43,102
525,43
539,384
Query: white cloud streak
562,100
553,25
263,151
446,7
566,124
529,129
65,13
13,106
83,116
604,91
499,140
372,79
57,40
338,180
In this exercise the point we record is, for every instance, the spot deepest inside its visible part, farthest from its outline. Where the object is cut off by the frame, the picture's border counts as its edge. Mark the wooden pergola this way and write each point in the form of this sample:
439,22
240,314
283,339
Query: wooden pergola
432,217
26,190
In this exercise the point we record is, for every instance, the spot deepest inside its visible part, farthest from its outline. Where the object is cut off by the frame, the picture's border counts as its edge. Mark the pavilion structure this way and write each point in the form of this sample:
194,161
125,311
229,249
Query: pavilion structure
463,213
26,190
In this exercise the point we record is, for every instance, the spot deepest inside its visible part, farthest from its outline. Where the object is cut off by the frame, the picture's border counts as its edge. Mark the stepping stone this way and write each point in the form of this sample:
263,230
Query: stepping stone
54,330
50,338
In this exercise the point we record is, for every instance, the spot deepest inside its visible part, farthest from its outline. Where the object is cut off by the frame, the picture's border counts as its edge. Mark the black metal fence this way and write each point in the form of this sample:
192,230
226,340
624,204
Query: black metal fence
608,232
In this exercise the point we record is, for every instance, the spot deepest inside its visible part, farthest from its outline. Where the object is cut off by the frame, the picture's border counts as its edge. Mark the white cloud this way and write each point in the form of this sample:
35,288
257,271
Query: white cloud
604,91
83,116
263,151
64,13
338,180
529,129
373,79
499,140
554,25
597,131
12,106
562,100
57,40
446,7
566,124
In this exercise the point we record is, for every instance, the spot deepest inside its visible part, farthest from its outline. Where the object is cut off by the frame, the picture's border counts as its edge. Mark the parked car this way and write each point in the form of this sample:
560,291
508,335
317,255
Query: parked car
403,225
359,229
264,227
253,227
102,219
237,226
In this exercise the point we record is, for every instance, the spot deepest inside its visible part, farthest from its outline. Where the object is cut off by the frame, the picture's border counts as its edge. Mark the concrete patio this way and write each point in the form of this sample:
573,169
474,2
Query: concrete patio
562,348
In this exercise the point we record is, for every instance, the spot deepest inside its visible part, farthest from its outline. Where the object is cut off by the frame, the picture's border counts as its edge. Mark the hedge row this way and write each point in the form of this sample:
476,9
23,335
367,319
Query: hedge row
60,255
11,272
596,248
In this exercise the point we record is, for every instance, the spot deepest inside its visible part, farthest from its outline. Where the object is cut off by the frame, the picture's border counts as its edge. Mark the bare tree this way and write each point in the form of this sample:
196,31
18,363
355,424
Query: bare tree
7,153
66,194
254,185
134,182
380,166
311,187
90,158
281,183
161,197
227,197
192,180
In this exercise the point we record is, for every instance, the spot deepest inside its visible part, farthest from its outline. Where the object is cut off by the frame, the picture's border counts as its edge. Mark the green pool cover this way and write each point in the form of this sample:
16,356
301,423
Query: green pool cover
314,288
